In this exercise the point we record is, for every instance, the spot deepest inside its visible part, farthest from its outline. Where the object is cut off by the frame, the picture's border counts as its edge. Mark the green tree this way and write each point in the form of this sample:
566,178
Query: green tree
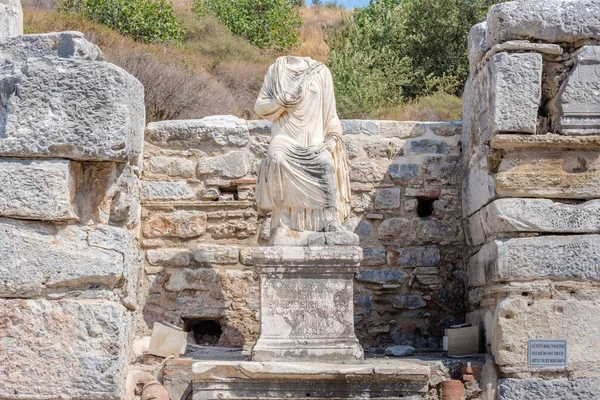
396,50
144,20
265,23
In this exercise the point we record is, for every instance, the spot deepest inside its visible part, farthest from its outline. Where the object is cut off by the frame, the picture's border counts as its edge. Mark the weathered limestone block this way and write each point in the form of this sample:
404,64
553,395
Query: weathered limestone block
503,97
381,276
120,205
169,257
431,146
404,171
519,319
408,231
477,45
231,165
69,44
516,90
387,199
180,224
534,215
377,379
477,184
401,129
554,389
442,171
63,349
545,142
172,166
214,254
445,129
11,18
409,302
386,148
558,175
422,256
38,259
210,194
552,21
360,126
307,308
367,172
178,280
208,133
37,189
71,109
524,46
474,98
167,191
577,106
573,257
373,257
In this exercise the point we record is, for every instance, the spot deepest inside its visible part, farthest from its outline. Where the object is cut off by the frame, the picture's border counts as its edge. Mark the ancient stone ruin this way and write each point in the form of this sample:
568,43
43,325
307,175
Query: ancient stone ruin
111,228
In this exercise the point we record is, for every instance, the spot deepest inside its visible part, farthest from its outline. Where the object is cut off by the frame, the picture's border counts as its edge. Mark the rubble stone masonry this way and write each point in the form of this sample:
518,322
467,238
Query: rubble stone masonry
200,225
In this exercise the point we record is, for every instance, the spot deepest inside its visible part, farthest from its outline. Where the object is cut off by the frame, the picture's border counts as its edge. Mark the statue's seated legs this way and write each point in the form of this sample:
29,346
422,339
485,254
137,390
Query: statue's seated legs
299,187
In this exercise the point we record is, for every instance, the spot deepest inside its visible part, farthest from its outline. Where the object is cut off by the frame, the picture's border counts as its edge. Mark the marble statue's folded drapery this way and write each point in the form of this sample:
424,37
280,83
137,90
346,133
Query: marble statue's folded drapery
304,181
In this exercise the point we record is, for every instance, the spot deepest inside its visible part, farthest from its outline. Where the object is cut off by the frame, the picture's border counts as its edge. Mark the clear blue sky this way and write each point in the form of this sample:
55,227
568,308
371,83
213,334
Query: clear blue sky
353,3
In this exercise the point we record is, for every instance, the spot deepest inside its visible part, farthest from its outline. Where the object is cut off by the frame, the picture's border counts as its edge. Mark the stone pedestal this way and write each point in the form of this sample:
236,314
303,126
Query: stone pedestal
377,379
307,311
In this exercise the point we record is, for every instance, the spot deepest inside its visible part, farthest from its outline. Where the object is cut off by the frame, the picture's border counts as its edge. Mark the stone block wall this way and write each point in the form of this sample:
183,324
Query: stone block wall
200,225
71,132
530,190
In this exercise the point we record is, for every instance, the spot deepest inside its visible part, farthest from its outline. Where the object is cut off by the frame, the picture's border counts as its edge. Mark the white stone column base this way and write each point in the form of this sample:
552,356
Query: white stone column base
307,304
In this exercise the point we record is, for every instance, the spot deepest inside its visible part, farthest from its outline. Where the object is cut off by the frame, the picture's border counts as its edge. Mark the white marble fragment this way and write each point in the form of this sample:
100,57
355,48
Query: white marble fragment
577,105
11,18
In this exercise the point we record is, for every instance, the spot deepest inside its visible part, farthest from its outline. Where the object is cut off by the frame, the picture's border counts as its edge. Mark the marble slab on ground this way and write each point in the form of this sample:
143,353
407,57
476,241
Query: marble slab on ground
276,380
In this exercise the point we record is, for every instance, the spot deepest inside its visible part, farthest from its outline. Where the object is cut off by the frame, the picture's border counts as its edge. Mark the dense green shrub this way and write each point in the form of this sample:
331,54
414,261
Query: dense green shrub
144,20
265,23
392,51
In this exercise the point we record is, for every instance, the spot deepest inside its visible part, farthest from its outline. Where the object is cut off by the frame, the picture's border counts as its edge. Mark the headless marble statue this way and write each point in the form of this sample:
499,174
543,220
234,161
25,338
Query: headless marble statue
304,182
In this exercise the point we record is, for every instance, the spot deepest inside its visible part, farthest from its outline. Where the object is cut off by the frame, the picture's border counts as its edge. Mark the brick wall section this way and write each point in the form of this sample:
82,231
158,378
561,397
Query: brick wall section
200,224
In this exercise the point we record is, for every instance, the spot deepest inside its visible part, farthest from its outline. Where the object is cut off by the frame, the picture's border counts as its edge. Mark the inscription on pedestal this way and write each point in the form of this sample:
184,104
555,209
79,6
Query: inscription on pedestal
307,308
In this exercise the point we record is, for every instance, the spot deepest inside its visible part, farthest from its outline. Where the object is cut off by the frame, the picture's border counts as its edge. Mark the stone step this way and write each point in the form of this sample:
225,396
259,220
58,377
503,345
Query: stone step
377,379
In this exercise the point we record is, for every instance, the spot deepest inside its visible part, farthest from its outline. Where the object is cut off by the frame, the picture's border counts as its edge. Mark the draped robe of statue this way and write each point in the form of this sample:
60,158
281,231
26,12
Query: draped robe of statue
304,182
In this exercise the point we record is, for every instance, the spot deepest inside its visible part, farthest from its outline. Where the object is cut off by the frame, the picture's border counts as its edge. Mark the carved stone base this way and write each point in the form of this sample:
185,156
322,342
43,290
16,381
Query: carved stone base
307,310
284,237
376,379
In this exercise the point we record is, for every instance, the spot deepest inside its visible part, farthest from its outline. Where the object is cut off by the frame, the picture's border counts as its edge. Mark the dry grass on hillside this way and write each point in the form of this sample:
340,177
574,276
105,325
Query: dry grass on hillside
192,80
316,20
436,107
213,71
